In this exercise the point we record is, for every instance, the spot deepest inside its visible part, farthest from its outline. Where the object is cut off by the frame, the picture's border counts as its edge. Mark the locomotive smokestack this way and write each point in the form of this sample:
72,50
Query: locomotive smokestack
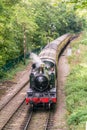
36,59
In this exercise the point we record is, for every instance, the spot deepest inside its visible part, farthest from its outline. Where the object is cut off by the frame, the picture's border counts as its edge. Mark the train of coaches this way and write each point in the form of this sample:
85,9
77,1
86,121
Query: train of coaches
43,76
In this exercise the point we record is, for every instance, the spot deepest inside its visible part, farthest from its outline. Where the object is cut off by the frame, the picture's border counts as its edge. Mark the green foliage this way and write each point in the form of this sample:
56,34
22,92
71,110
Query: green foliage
76,89
78,116
84,39
38,21
10,73
78,3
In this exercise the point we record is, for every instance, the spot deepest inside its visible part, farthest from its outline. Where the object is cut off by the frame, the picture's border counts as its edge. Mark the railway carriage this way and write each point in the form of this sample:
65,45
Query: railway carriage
43,79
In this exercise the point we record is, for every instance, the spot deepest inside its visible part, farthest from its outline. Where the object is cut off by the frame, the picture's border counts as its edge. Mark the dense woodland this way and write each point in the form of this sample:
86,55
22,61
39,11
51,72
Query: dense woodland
28,24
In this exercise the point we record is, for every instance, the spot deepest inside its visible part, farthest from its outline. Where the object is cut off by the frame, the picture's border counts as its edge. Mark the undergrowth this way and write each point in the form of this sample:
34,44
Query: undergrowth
10,73
76,86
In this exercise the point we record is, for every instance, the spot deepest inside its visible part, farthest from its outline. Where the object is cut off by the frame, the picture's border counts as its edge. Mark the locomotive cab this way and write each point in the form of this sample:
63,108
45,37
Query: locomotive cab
52,70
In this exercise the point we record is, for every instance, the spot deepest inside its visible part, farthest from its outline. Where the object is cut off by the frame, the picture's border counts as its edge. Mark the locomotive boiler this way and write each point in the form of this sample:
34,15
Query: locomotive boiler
43,76
41,79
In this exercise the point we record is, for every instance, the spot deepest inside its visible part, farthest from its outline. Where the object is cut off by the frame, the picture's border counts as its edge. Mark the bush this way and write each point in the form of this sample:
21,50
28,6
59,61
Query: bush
76,89
78,117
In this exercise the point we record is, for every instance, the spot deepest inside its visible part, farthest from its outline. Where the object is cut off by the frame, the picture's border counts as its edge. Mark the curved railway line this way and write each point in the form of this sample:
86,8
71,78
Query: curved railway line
15,105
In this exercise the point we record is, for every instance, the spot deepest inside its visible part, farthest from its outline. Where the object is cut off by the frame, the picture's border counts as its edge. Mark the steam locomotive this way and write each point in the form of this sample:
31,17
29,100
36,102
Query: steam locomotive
43,76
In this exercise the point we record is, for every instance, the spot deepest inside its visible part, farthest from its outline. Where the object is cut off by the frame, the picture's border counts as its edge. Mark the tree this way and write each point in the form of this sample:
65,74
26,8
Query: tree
24,17
8,48
25,25
77,3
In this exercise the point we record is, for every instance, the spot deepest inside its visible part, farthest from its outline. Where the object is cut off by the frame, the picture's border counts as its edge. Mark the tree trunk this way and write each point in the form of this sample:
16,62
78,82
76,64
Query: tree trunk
24,44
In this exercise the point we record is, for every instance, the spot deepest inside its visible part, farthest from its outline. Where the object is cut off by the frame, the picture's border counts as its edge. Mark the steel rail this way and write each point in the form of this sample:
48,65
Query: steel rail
7,111
48,121
12,115
4,105
28,120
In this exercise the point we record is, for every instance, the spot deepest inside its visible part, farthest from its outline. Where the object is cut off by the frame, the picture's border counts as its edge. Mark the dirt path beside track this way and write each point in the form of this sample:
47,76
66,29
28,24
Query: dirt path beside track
60,114
9,88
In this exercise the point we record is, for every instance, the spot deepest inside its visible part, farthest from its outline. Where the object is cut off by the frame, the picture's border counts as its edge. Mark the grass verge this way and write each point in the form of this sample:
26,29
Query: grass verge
76,86
10,73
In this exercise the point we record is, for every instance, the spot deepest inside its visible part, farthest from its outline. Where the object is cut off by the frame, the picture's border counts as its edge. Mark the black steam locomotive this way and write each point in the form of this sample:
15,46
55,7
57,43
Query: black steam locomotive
43,77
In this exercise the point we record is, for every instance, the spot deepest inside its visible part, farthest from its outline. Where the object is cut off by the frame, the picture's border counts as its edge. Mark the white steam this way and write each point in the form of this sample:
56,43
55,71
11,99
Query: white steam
36,59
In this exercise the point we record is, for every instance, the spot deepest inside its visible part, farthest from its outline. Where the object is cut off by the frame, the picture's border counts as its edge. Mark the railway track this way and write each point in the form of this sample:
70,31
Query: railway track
9,109
49,121
16,88
36,120
42,120
16,121
6,126
28,120
15,93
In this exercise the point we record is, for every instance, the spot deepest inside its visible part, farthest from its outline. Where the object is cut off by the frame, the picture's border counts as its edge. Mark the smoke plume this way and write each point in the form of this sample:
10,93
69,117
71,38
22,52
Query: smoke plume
36,59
